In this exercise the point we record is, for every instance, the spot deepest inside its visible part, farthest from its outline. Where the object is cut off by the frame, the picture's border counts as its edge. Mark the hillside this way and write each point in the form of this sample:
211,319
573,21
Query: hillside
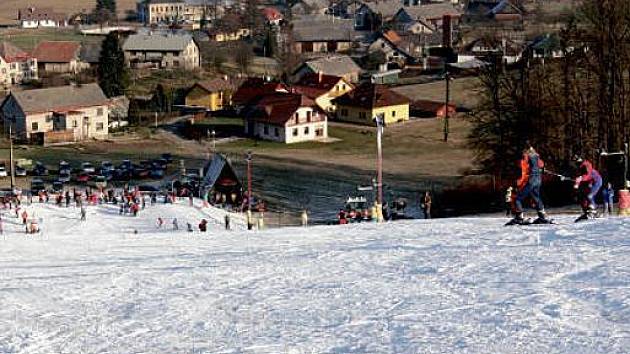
8,8
439,286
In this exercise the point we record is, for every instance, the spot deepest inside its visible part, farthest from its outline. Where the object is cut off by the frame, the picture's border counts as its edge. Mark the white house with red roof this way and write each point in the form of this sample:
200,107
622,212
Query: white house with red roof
286,118
16,65
272,15
59,56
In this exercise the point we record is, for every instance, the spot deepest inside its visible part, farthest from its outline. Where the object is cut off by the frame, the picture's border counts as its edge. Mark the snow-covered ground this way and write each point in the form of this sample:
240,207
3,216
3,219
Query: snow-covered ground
440,286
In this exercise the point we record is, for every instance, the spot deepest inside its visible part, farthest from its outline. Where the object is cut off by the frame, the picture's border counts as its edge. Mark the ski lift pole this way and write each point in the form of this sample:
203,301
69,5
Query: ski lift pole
248,158
379,165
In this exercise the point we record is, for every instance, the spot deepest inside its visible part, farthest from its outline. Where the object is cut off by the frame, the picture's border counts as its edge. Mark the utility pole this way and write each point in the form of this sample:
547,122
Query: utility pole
248,158
379,166
11,163
448,98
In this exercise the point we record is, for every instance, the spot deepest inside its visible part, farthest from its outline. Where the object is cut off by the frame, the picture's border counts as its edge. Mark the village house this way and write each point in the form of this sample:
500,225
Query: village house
323,89
252,89
310,7
431,109
213,95
398,52
162,51
320,34
230,27
58,114
16,65
501,17
156,12
368,101
424,18
59,57
34,17
286,118
337,65
272,16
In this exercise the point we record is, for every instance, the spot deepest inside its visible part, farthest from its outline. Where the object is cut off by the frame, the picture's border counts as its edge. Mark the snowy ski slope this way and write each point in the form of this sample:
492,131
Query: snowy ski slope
466,285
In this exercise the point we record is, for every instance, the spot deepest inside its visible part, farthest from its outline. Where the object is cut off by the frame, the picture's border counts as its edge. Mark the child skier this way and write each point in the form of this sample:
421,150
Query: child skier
590,177
529,186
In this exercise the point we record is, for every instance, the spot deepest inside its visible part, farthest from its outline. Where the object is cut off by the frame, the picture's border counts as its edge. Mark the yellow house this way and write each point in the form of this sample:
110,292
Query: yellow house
323,89
214,95
229,35
363,104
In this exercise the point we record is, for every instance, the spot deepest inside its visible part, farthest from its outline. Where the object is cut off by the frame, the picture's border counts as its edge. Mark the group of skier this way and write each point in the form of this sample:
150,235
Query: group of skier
588,183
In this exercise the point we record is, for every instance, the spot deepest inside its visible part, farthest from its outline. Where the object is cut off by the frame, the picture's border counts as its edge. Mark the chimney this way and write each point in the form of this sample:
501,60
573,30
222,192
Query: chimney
320,76
447,31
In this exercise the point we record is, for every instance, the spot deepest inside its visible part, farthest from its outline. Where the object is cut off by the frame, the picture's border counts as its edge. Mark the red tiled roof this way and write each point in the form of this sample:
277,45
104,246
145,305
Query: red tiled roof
278,108
314,85
272,14
392,36
254,88
56,51
11,53
371,96
434,107
216,85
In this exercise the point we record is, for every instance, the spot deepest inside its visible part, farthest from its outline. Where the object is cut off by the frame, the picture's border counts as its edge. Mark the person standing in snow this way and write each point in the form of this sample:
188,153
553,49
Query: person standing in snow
159,223
304,218
203,225
83,213
508,201
592,178
24,217
227,221
426,205
529,185
609,198
175,224
189,227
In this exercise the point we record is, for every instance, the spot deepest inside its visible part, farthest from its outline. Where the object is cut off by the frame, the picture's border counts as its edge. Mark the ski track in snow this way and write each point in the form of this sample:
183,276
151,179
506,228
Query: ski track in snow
466,285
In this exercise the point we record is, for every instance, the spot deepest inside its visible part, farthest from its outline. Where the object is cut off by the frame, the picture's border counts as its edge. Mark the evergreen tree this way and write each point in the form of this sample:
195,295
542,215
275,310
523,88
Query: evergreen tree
112,74
109,5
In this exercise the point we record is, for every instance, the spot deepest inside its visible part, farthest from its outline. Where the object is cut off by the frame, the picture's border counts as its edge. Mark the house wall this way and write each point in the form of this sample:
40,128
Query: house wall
17,72
325,101
187,59
321,47
70,67
171,12
360,115
232,36
199,97
90,123
297,129
10,111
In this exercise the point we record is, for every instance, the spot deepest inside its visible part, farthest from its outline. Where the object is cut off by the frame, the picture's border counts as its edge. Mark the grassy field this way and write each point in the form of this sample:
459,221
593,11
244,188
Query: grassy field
8,8
28,39
464,91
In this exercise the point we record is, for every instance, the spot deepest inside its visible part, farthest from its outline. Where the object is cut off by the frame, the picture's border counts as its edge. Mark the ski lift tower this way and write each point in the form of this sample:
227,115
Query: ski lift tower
380,122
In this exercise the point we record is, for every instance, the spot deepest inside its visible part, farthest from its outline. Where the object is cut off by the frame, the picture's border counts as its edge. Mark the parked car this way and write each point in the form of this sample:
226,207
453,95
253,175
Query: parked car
98,182
3,170
156,173
20,171
64,167
122,174
64,177
107,166
57,187
37,185
140,172
83,177
168,157
161,163
40,169
87,167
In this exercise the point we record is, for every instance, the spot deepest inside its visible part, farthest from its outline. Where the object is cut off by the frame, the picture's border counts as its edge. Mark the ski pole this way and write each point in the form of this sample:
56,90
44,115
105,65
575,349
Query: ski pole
562,177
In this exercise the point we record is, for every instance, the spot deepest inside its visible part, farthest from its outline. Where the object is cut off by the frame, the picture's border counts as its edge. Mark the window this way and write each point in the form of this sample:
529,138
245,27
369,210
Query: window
297,117
266,129
319,132
393,113
99,112
295,132
276,132
34,126
308,116
306,131
75,124
99,127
